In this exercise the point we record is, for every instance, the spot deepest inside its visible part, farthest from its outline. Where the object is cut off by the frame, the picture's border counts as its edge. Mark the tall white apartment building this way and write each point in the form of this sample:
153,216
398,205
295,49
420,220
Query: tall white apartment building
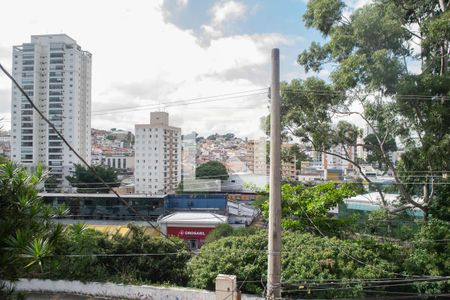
157,156
56,74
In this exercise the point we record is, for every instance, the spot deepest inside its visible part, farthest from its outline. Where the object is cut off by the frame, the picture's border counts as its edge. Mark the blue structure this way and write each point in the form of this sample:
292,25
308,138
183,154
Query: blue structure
210,202
109,207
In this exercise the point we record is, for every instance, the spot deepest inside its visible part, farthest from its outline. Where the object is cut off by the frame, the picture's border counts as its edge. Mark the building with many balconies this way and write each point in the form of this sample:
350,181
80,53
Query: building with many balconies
56,74
157,156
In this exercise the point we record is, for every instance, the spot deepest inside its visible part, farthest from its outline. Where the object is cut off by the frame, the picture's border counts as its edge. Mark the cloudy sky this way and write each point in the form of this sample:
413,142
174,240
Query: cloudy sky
148,53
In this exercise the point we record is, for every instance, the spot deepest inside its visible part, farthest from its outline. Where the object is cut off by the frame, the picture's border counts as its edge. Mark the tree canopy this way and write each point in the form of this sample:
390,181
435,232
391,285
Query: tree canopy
211,170
372,53
86,182
307,208
293,154
308,263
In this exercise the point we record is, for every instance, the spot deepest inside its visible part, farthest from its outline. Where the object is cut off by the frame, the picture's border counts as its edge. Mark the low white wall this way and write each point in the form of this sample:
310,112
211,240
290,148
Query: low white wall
112,290
143,292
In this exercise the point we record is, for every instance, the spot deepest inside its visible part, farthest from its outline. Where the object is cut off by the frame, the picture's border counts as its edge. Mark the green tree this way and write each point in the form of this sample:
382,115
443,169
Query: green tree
212,170
307,208
375,155
224,230
85,243
160,268
86,182
221,230
293,154
213,137
440,207
86,254
431,255
229,136
27,233
370,52
309,263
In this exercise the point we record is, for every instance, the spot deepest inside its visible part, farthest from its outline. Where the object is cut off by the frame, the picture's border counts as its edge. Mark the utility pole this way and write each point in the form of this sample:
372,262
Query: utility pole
274,251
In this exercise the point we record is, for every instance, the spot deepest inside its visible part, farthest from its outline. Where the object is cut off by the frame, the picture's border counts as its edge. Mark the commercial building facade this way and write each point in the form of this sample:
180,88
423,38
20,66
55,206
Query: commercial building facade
56,74
193,227
157,156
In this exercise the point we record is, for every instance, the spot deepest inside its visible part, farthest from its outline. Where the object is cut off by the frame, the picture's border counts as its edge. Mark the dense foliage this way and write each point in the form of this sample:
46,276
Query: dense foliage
27,232
307,208
32,244
211,170
293,154
430,253
224,230
370,54
309,262
118,258
87,182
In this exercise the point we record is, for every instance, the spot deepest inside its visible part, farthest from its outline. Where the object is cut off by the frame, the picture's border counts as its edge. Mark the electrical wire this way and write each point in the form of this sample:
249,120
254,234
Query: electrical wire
348,254
349,93
118,254
372,286
76,153
192,99
140,108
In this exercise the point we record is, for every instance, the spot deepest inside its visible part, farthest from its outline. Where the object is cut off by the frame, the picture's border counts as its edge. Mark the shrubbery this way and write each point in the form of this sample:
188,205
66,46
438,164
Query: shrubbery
118,258
33,245
305,257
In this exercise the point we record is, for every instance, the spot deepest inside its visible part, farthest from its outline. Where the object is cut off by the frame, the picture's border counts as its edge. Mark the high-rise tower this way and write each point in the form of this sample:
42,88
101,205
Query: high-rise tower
56,74
157,156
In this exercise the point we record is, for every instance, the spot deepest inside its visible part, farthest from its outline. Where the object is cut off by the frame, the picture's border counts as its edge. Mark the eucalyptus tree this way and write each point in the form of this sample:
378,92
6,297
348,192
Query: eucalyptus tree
371,53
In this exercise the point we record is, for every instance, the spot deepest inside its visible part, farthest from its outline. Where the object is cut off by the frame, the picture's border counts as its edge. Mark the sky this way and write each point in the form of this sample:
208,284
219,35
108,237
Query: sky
148,53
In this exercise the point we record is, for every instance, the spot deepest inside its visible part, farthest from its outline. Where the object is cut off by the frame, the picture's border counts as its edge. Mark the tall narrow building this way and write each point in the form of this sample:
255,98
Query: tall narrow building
56,74
157,156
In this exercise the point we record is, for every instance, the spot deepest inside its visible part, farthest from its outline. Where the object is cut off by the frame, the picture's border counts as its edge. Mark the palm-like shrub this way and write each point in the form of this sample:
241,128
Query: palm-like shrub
27,233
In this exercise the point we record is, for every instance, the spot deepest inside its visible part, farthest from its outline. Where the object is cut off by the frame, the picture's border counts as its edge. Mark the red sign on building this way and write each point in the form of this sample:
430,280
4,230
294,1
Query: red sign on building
189,233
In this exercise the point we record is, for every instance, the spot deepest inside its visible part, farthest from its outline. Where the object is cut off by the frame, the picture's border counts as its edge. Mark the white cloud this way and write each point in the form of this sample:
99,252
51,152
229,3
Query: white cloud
211,31
140,59
356,4
352,5
223,15
182,3
227,11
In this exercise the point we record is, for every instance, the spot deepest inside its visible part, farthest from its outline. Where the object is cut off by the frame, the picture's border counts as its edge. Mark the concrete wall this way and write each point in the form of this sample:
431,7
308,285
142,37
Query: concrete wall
112,290
117,290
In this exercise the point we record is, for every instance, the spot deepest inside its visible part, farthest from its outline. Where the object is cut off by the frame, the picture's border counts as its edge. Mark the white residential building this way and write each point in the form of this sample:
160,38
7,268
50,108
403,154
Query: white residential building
56,74
157,156
118,161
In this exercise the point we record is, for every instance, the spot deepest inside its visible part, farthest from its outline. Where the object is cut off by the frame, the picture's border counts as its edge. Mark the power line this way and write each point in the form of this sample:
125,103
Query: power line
306,289
76,153
348,254
171,104
119,254
349,93
191,99
352,281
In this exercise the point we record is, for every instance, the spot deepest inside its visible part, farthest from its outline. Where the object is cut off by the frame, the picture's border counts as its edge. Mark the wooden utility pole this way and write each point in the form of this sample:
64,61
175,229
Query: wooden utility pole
274,251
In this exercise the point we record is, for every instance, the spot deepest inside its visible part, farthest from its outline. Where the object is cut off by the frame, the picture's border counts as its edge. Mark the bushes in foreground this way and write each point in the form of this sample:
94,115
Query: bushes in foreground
304,258
33,245
315,267
88,255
